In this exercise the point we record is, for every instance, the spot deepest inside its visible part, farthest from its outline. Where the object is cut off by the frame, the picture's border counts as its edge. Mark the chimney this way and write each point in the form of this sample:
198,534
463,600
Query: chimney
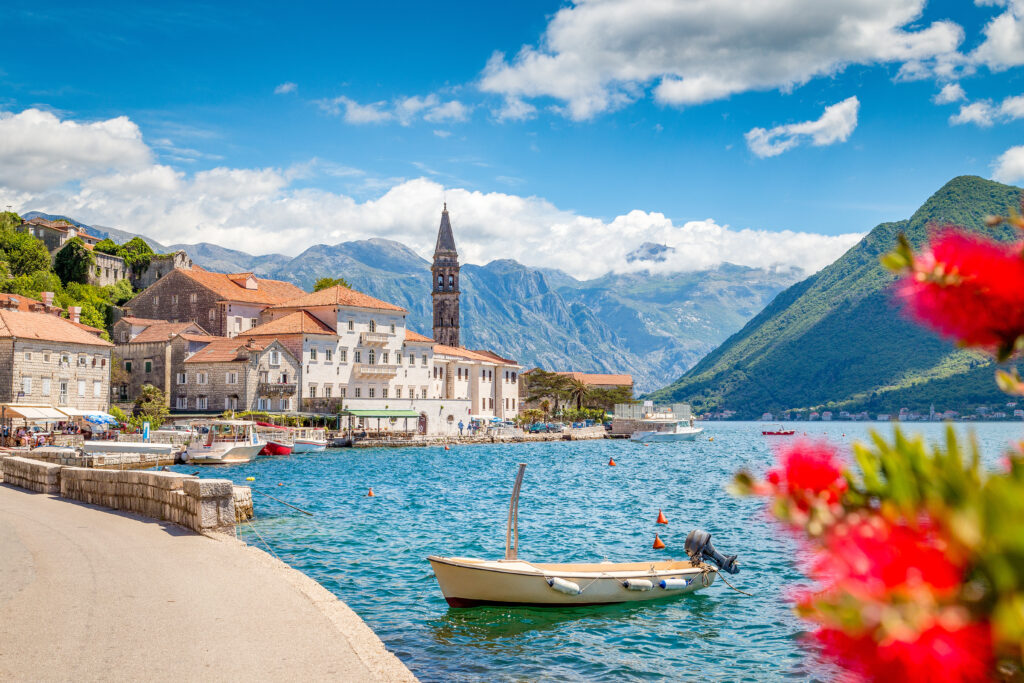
74,312
47,298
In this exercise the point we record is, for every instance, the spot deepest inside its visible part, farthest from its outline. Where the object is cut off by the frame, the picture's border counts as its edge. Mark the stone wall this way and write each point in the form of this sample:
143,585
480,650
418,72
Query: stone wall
243,504
59,364
160,265
198,504
178,298
107,270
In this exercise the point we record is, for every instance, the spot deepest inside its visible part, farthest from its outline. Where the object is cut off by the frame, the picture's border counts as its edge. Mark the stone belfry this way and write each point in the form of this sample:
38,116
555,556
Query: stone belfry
445,272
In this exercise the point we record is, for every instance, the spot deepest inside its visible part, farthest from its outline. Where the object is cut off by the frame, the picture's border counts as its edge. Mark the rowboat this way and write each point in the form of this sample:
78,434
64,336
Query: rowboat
778,431
470,582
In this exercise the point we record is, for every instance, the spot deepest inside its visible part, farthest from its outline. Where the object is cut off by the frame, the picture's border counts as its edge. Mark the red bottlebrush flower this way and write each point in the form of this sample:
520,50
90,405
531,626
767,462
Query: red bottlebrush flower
808,471
871,558
938,654
970,288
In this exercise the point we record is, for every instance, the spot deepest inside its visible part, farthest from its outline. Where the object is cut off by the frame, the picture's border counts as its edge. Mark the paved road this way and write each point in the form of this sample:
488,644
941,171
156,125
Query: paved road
91,594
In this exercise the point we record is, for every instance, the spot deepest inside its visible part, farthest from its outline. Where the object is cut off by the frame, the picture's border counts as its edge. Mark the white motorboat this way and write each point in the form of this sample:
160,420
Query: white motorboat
223,442
666,429
308,439
469,582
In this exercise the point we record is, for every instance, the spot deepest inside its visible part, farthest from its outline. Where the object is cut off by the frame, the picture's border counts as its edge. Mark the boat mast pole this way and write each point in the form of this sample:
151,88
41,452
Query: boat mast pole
512,551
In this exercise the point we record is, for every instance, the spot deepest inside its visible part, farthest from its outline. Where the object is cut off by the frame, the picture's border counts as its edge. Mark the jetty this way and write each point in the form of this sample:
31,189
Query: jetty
91,593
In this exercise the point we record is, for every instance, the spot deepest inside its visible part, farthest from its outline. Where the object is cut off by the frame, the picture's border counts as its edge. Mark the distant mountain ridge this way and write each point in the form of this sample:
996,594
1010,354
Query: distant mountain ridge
651,326
836,340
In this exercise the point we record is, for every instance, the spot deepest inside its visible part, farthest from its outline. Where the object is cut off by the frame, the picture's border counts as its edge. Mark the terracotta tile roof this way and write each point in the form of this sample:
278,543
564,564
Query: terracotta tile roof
46,327
88,328
339,296
458,351
198,337
299,322
162,331
596,379
266,292
224,350
495,357
23,301
55,225
411,336
291,342
132,320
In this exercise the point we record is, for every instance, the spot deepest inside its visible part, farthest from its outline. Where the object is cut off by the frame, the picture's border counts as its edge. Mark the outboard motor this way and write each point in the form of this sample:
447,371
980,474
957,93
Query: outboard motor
698,547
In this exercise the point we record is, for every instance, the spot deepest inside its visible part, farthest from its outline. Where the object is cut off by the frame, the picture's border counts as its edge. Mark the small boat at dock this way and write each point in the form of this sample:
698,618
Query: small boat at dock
223,442
278,438
308,439
470,582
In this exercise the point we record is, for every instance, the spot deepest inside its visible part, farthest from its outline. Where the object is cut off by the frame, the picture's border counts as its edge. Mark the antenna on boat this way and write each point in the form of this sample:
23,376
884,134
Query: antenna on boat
512,551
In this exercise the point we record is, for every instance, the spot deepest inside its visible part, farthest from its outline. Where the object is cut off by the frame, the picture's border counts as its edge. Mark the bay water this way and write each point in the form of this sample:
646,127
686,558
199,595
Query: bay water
371,551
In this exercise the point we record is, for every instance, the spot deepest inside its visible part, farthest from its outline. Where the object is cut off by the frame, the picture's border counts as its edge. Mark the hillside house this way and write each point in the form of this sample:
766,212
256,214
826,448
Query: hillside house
237,374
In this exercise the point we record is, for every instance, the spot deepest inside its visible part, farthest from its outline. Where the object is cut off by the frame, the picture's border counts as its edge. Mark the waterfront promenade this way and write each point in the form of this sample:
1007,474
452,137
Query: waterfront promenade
87,593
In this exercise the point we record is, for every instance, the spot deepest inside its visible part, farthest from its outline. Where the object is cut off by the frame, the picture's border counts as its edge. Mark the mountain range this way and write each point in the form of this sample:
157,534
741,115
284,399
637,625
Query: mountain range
652,326
837,339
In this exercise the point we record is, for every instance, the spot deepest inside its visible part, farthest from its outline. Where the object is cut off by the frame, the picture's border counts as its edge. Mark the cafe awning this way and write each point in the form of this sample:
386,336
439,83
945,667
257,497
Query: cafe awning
37,413
91,416
380,413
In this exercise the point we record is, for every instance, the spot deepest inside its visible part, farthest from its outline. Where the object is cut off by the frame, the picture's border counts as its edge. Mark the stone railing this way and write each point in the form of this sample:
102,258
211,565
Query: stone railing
375,371
198,504
275,389
378,338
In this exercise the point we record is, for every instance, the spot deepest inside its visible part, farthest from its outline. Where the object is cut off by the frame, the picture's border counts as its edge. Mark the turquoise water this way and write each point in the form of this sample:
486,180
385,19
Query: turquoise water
371,552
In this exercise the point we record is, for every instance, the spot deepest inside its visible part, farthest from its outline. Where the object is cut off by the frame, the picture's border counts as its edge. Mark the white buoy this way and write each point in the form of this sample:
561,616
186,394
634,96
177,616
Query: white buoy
638,584
674,584
563,586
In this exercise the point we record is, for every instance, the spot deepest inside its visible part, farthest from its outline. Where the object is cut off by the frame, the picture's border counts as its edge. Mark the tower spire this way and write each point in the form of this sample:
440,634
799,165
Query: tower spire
445,290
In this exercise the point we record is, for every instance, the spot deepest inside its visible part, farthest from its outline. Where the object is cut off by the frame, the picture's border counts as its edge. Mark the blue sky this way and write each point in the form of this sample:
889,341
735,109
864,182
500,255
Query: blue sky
206,87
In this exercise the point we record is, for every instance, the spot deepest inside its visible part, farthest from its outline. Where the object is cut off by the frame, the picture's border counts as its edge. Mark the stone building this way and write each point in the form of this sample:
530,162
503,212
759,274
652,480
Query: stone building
445,278
160,265
237,374
224,304
46,359
55,234
151,352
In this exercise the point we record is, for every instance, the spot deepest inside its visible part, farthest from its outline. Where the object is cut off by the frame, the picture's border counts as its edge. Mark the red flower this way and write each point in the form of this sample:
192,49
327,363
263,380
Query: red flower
870,558
808,471
939,653
968,287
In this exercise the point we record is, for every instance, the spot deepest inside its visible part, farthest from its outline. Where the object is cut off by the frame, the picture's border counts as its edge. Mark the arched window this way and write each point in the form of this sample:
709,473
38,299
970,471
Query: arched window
451,282
372,356
440,281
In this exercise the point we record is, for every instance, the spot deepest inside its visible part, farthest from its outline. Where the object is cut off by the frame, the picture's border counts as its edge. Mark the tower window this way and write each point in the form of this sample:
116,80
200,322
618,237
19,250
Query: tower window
440,280
451,281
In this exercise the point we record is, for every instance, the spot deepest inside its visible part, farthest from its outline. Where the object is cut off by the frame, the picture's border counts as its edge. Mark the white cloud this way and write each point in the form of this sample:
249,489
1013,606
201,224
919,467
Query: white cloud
598,55
285,88
984,113
1009,167
266,210
515,109
950,93
404,110
836,124
443,133
1003,46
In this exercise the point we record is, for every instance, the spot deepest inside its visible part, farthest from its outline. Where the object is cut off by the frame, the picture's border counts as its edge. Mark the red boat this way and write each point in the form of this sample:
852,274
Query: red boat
278,442
778,431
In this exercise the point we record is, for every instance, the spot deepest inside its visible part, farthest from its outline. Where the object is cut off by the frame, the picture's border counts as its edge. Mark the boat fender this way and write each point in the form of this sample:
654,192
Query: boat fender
563,586
638,584
674,584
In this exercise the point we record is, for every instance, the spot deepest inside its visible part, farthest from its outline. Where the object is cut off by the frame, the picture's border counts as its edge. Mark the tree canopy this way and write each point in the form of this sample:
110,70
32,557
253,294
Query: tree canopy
73,262
137,254
9,220
151,406
22,252
107,246
328,282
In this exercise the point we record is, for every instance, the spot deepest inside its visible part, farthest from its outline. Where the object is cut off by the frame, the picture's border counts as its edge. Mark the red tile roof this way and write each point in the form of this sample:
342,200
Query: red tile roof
223,350
23,301
132,320
596,379
45,327
411,336
495,357
88,328
458,351
266,292
299,322
162,331
339,296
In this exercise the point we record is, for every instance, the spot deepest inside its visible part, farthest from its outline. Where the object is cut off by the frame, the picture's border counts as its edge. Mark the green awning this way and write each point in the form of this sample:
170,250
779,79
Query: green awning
380,413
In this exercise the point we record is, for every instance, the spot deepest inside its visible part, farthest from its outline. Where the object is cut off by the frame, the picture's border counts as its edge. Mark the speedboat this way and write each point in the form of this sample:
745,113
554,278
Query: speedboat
470,582
666,429
779,430
308,439
224,442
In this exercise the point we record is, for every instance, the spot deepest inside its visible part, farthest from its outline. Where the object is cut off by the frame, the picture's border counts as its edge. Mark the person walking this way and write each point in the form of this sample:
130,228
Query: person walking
461,427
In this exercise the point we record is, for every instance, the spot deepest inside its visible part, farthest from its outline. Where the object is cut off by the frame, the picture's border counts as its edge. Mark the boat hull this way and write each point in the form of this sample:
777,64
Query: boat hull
688,435
201,455
469,582
308,446
276,448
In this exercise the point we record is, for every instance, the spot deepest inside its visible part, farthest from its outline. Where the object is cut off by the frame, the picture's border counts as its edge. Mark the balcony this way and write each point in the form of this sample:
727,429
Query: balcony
375,371
375,338
276,389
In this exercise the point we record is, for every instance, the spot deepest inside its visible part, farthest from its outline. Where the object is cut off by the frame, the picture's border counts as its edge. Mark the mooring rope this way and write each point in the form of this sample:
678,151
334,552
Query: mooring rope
253,527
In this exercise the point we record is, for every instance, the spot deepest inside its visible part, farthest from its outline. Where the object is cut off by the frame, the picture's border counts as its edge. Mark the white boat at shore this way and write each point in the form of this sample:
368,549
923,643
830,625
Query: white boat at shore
308,439
223,442
666,429
470,582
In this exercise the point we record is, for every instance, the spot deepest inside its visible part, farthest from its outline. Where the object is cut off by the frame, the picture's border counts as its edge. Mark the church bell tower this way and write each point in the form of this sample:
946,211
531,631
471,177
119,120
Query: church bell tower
445,276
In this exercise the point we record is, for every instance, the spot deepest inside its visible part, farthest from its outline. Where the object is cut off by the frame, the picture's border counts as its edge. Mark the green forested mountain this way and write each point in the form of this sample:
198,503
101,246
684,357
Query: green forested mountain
838,341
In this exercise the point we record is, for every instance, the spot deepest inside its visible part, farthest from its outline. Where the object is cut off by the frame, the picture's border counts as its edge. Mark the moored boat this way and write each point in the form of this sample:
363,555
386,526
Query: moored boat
666,429
778,430
308,439
224,442
469,582
279,441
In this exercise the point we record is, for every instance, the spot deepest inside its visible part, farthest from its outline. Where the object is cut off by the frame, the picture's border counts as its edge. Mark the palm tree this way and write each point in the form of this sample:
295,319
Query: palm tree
545,406
578,391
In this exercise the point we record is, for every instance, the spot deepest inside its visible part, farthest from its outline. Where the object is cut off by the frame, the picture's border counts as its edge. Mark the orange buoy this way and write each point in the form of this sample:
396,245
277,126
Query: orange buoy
371,494
662,519
280,484
446,447
611,462
658,543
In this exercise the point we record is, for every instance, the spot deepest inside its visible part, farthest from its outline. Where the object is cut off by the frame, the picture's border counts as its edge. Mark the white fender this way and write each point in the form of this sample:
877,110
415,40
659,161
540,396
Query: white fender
674,584
638,584
563,586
